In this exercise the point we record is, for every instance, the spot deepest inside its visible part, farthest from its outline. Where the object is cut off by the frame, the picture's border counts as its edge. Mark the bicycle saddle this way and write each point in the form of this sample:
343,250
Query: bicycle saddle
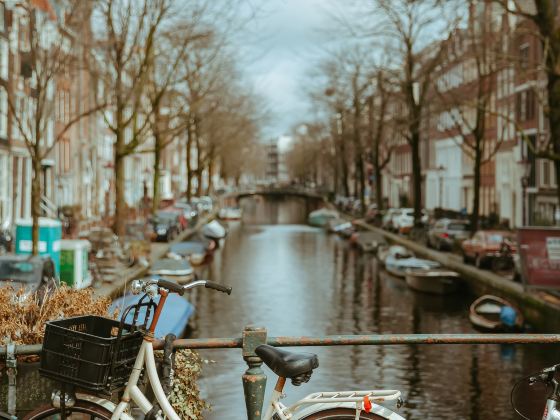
296,366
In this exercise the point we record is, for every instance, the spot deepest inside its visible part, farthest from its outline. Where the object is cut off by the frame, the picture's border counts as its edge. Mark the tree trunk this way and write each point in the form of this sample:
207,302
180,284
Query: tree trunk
120,203
416,175
210,173
199,169
189,168
35,203
476,197
157,160
343,160
378,187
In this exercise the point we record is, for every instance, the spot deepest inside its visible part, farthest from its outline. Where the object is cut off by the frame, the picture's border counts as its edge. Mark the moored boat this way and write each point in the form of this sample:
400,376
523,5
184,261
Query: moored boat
230,213
439,281
173,319
385,250
320,218
398,264
196,252
214,230
495,314
178,270
337,225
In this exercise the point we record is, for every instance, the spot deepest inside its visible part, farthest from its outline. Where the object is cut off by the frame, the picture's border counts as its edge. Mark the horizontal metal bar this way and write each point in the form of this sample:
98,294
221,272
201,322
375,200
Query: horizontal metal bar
390,339
343,340
23,349
203,343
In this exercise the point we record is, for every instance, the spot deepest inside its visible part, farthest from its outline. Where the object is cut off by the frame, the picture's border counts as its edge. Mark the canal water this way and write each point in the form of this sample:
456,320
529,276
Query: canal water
297,280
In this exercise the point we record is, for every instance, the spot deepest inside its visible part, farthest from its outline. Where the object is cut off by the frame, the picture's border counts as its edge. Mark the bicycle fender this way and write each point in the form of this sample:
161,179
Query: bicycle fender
377,409
104,403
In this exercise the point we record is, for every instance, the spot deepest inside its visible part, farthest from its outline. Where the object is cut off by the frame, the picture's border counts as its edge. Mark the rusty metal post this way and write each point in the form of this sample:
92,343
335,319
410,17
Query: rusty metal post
254,379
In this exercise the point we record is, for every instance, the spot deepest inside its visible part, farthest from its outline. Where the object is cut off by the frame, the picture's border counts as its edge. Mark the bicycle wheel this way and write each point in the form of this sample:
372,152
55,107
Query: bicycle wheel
341,414
82,410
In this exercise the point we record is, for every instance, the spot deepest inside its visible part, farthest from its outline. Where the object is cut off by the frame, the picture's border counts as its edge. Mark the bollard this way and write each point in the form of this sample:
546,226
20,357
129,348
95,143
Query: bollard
254,379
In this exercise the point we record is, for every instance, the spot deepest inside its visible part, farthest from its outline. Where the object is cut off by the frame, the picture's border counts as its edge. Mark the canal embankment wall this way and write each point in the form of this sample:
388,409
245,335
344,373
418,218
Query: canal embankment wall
543,315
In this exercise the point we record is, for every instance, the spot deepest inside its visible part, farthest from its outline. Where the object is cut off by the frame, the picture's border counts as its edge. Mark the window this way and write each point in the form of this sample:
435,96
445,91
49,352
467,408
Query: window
3,113
2,12
524,56
4,58
546,172
526,105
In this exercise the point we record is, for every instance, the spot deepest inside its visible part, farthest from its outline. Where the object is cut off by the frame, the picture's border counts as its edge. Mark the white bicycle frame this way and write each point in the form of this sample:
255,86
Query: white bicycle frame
324,400
132,392
551,410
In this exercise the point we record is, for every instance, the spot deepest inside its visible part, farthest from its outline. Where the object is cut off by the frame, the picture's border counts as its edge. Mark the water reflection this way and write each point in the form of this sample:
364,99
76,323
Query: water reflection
297,280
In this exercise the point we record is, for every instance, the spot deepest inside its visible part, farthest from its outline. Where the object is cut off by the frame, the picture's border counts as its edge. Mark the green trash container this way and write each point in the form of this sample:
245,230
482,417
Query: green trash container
50,234
74,263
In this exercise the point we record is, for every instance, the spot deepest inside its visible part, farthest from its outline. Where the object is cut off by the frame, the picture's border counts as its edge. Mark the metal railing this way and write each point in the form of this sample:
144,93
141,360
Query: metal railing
254,378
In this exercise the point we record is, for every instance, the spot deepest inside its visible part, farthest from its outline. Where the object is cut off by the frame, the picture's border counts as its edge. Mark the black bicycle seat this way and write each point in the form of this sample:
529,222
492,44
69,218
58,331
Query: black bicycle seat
287,364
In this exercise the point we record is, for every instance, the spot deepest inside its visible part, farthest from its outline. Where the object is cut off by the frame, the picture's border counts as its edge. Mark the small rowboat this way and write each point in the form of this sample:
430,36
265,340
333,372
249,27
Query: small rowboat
178,270
494,314
321,217
438,281
399,260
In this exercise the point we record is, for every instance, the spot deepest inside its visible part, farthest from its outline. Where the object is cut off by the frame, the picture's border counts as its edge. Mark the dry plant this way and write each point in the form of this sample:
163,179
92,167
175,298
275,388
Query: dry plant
23,317
185,394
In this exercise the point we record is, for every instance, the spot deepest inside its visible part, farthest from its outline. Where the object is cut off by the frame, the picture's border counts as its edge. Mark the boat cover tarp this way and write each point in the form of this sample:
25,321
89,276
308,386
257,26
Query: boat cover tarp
173,319
188,248
171,267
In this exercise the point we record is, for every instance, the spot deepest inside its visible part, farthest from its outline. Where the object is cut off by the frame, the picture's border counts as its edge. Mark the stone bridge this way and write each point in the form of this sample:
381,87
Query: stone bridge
276,192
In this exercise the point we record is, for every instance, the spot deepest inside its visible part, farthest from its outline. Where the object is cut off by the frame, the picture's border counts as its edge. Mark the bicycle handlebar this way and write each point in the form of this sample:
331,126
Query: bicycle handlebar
218,287
152,285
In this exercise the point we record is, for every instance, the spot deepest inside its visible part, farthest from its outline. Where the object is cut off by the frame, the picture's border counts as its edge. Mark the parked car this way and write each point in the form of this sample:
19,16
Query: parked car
183,221
166,225
485,245
189,212
403,220
446,233
35,274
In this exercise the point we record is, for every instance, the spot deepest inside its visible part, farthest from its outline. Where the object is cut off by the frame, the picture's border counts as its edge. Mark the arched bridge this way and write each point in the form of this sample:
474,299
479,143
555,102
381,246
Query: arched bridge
307,193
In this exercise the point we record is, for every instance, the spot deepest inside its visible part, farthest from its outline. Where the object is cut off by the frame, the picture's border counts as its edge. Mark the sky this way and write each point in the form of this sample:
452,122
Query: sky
282,44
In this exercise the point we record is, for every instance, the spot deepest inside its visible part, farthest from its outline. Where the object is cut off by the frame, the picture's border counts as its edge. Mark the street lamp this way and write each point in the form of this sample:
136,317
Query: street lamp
526,172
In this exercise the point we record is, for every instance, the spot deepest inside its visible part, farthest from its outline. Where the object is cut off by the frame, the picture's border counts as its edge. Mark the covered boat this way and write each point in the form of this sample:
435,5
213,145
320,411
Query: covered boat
336,225
179,270
195,251
495,314
398,263
385,250
439,281
173,319
320,218
230,213
214,230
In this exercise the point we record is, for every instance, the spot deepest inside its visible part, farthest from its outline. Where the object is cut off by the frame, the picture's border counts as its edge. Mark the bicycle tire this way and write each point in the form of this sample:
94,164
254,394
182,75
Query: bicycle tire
341,414
93,410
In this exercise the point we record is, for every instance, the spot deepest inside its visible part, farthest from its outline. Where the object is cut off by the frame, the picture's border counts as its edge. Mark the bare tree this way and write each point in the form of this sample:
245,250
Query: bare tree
471,107
53,58
380,131
405,26
126,51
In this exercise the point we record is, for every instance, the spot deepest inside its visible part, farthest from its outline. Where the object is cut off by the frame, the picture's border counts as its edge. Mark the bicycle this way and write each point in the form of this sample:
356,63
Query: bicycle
136,344
100,361
547,377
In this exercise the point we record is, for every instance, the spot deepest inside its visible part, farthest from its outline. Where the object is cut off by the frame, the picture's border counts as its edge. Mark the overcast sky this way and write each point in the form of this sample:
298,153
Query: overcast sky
283,43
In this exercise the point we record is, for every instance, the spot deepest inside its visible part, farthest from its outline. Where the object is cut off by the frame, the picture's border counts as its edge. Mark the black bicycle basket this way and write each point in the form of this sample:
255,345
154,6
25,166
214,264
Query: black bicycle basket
89,352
